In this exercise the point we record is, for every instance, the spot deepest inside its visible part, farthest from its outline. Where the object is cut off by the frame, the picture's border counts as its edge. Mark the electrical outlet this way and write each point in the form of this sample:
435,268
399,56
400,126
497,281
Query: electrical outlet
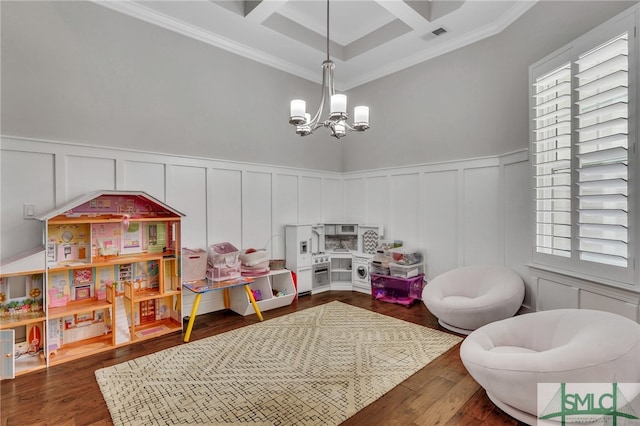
29,211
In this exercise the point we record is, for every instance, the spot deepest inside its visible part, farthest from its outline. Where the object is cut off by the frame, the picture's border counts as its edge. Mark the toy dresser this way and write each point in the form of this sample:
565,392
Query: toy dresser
403,291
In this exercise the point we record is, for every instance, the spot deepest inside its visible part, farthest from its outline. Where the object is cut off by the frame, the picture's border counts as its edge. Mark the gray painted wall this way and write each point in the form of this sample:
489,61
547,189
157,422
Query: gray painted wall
469,103
79,72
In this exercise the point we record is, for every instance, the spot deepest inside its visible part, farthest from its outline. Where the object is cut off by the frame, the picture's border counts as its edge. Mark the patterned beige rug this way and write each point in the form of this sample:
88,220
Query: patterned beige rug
318,366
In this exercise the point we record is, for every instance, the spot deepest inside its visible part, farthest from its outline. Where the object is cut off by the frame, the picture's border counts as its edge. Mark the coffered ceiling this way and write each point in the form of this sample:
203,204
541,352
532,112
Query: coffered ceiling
368,38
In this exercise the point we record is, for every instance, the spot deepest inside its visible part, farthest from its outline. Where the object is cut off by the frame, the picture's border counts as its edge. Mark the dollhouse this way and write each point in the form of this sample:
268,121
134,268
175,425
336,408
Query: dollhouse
108,275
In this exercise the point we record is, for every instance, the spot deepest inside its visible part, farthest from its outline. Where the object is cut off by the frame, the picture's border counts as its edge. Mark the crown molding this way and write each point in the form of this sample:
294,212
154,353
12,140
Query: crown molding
139,11
455,43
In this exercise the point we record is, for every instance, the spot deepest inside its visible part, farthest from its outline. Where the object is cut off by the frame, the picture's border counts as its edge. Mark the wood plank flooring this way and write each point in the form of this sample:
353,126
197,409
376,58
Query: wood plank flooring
442,393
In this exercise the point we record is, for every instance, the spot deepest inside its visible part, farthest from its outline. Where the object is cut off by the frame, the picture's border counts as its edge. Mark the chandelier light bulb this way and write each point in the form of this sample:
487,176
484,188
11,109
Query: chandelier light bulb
298,109
338,104
361,115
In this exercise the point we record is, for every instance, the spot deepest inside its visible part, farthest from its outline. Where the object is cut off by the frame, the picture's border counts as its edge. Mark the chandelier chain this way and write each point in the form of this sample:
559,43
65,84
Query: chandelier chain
328,30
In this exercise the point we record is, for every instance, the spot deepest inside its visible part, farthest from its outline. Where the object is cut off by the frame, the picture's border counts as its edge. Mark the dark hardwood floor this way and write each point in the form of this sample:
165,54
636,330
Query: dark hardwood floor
442,393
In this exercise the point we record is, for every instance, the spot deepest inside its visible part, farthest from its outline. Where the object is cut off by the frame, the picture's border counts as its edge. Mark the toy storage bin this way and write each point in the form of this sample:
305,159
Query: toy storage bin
223,262
254,258
276,264
222,272
406,256
263,288
395,289
194,264
282,284
279,281
406,271
222,254
379,268
256,270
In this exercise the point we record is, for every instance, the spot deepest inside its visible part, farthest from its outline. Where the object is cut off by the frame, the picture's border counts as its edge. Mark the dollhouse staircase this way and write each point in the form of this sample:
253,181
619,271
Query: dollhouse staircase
123,330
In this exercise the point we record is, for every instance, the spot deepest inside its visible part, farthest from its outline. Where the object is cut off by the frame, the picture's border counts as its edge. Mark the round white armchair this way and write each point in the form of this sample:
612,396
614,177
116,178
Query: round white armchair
509,358
467,298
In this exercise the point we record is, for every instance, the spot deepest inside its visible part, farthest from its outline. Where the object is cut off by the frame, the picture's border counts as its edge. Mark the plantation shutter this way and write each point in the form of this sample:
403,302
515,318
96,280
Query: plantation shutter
552,161
602,143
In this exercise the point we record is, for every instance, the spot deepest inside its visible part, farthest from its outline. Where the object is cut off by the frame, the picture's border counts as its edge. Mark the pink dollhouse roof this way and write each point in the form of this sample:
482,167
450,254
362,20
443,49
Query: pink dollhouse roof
133,203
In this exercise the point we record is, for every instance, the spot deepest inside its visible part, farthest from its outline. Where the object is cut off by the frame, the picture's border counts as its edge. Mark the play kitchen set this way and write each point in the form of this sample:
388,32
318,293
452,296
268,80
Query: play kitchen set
336,256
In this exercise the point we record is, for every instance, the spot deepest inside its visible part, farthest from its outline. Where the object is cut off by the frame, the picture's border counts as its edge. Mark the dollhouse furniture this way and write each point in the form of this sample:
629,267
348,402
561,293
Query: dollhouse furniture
467,298
508,358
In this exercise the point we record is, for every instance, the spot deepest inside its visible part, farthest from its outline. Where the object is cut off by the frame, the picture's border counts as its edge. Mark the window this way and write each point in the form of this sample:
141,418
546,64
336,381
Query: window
583,144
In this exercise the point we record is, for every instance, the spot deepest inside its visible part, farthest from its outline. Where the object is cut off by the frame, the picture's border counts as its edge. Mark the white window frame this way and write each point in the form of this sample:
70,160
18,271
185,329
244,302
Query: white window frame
625,277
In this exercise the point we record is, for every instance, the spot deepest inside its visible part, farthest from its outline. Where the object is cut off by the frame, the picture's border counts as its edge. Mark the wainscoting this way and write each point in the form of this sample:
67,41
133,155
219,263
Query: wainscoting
461,212
555,290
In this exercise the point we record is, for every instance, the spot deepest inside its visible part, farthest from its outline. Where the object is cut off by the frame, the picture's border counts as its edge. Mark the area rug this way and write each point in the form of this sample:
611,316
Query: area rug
318,366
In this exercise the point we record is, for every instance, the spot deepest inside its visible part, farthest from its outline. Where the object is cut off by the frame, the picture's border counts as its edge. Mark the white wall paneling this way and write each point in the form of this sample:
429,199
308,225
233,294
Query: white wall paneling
557,290
377,201
144,176
256,209
223,201
26,178
554,295
285,211
332,207
186,192
354,200
404,218
460,212
224,206
589,300
439,198
481,217
86,174
311,202
455,211
517,221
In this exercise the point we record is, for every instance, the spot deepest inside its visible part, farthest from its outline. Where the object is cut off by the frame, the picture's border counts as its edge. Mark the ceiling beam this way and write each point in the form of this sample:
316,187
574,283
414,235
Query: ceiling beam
236,6
407,14
259,10
440,8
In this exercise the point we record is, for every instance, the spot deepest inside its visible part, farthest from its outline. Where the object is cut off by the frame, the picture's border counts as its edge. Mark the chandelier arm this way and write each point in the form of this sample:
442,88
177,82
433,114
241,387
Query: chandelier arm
356,128
327,71
330,83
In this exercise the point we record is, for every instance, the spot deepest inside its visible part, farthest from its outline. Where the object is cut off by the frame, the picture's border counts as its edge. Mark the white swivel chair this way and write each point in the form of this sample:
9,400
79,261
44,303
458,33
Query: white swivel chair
467,298
509,358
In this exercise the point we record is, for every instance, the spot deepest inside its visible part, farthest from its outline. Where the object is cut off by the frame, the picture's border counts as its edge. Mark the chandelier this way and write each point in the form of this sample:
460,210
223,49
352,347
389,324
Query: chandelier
337,121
